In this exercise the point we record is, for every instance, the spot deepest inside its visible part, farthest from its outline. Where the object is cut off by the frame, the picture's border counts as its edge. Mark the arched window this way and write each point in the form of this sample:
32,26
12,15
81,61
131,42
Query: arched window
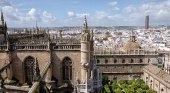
131,61
106,61
67,69
29,69
123,60
115,61
141,60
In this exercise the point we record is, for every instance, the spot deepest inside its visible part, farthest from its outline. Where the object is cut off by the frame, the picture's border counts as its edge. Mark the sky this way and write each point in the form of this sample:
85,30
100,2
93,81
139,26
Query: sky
58,13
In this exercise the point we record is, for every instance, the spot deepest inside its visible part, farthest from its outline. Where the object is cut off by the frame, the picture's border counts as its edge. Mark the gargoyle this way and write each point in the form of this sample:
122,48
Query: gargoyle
85,65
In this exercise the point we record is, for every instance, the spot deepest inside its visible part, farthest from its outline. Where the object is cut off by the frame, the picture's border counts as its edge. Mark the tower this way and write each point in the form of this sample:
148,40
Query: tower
90,76
85,51
147,22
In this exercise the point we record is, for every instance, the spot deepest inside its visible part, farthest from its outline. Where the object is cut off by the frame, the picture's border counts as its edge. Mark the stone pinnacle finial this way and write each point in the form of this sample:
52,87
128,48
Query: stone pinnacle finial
2,18
5,25
85,22
37,29
36,23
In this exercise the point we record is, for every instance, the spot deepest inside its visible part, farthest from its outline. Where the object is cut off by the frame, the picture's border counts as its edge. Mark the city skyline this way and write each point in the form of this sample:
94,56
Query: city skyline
71,13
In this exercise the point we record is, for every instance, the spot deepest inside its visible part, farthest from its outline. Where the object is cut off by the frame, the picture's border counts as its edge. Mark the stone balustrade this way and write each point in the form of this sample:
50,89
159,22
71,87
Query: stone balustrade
3,47
30,47
99,51
67,47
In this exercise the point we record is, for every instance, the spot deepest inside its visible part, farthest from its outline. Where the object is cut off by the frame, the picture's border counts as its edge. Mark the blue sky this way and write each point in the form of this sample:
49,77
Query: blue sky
56,13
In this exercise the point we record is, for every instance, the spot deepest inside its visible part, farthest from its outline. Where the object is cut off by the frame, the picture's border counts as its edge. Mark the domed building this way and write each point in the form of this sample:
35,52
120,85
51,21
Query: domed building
131,44
126,62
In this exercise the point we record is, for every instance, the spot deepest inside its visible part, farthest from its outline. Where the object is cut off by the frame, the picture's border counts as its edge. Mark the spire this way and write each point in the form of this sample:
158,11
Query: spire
5,25
36,23
2,18
37,27
85,22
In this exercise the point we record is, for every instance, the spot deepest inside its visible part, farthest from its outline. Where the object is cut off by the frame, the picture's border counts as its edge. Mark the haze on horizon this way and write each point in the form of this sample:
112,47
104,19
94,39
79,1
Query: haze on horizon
57,13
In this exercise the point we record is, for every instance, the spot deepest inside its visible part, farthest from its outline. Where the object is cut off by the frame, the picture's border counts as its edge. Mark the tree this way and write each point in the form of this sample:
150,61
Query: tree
144,87
150,91
135,85
140,81
107,89
124,86
118,90
105,80
113,81
139,90
129,90
114,86
130,82
122,82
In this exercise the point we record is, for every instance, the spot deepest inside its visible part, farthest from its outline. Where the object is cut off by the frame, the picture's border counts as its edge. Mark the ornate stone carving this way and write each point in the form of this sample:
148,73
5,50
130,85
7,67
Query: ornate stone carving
36,71
91,35
85,65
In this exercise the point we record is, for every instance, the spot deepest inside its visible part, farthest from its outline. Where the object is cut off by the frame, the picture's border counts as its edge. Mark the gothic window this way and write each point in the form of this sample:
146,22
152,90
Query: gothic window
67,69
115,61
123,60
131,61
29,66
106,61
141,60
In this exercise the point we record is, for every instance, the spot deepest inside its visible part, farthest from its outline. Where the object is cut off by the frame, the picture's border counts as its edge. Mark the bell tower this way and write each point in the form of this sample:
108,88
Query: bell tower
85,51
90,76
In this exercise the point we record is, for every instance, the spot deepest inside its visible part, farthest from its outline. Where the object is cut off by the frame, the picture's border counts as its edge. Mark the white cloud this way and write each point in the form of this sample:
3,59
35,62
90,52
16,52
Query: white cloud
158,12
72,15
48,15
114,3
130,9
15,18
100,15
116,8
130,15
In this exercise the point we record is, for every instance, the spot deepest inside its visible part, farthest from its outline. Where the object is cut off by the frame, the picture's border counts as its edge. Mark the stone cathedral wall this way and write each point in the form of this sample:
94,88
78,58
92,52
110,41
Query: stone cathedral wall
18,58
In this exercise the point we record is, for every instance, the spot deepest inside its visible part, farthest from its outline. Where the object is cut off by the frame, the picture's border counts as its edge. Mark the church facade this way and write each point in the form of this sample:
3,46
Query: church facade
33,62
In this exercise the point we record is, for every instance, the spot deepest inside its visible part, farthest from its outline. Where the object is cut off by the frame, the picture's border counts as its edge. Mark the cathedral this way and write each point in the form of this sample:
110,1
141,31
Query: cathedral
32,62
126,62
